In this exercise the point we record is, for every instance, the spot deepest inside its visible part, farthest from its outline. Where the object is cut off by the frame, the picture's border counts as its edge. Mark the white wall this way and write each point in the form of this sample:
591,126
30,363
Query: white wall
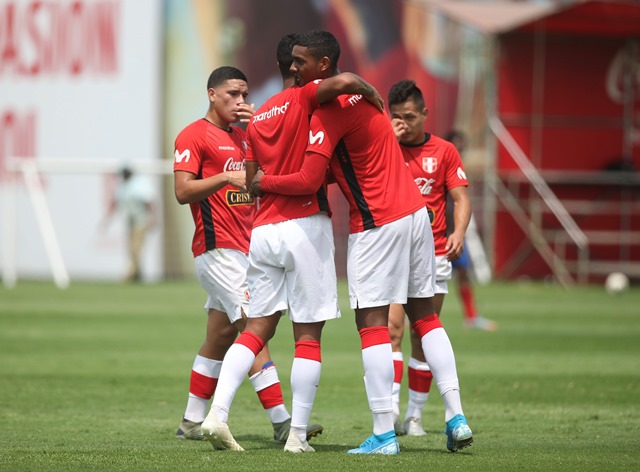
79,79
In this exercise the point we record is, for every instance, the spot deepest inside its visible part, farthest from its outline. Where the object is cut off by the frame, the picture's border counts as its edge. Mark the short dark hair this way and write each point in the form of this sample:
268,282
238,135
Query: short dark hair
283,54
320,43
406,90
224,73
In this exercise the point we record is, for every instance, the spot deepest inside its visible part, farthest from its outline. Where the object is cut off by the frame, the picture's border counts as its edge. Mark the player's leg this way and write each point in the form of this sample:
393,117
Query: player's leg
266,383
384,251
235,366
420,378
205,371
305,378
436,346
419,373
396,331
465,291
310,255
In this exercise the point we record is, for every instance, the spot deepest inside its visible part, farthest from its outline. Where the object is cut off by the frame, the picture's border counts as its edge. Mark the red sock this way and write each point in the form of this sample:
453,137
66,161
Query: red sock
466,294
201,385
420,380
271,396
398,367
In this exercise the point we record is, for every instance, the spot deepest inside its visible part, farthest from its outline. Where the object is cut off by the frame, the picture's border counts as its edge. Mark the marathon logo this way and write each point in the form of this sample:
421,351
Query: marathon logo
238,197
275,111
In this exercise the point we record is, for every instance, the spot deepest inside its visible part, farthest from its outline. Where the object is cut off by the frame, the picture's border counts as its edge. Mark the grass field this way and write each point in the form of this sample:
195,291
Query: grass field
96,377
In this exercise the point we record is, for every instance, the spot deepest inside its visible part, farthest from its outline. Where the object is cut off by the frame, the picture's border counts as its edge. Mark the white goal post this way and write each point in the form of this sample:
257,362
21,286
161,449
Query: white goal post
30,171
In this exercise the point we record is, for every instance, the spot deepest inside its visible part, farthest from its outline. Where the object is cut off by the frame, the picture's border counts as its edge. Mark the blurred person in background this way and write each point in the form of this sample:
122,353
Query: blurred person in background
209,175
134,199
463,266
437,169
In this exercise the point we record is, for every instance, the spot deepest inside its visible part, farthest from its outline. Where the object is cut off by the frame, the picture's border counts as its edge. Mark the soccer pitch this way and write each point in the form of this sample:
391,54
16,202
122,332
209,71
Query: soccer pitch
96,377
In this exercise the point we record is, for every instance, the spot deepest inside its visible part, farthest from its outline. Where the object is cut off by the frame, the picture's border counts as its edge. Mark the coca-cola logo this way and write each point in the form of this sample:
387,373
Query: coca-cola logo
233,165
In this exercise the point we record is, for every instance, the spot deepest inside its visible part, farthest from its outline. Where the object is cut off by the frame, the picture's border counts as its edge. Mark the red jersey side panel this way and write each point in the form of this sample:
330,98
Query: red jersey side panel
367,162
224,219
436,167
277,138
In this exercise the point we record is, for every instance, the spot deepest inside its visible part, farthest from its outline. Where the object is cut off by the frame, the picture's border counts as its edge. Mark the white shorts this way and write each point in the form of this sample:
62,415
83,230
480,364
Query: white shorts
392,262
223,275
444,272
291,266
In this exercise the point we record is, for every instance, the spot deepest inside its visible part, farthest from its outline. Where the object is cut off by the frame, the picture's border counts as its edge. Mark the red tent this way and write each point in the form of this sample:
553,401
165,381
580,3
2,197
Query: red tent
563,141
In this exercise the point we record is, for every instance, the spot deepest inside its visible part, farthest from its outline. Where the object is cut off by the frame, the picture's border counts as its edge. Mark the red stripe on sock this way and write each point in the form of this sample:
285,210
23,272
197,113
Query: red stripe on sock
374,335
398,368
420,380
251,341
308,350
426,324
271,396
201,385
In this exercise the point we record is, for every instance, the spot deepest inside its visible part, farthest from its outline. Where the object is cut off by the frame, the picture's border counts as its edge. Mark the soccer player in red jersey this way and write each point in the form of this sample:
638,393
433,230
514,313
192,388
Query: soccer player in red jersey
291,257
209,175
437,170
390,256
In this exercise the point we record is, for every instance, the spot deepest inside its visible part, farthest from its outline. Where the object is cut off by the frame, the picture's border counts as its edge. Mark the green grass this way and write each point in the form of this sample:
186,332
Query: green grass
95,378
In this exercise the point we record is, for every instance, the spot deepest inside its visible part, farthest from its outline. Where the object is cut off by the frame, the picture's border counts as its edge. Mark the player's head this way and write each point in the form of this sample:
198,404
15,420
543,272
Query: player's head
315,56
283,55
458,139
406,104
125,172
227,88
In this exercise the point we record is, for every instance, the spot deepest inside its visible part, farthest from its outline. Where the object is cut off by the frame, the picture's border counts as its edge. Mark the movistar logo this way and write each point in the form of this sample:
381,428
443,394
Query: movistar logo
186,154
316,138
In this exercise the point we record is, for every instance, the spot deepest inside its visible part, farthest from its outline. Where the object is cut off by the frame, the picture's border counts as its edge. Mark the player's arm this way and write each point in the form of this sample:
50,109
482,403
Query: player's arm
189,188
347,83
461,216
251,168
305,182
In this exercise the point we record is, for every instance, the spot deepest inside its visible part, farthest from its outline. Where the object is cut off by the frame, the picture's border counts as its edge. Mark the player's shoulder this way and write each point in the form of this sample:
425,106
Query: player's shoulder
192,130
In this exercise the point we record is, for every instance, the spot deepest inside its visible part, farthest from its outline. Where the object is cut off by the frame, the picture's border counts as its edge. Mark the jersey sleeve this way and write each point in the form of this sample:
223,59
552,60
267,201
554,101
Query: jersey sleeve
309,96
455,174
325,129
187,155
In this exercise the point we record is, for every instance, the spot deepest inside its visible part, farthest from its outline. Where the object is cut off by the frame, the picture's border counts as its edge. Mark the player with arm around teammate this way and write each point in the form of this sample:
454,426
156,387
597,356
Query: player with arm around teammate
390,249
291,252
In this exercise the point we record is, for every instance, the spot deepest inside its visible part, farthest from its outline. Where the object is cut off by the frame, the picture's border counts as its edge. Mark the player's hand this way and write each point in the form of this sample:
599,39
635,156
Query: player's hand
399,128
376,100
454,247
245,112
255,190
238,179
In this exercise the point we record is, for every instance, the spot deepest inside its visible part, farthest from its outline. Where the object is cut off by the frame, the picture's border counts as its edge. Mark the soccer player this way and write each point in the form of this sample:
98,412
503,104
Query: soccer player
209,175
390,249
291,256
437,170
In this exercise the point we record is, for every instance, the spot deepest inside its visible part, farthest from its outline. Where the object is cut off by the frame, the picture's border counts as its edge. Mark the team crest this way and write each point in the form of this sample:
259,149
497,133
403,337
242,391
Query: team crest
429,164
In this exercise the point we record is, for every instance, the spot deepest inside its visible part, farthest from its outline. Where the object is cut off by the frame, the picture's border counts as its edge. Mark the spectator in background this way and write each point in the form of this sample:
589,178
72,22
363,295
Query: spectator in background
134,199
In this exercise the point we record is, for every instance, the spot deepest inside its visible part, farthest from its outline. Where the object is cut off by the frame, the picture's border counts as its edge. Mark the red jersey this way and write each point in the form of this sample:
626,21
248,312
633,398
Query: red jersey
277,138
367,163
436,167
224,219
